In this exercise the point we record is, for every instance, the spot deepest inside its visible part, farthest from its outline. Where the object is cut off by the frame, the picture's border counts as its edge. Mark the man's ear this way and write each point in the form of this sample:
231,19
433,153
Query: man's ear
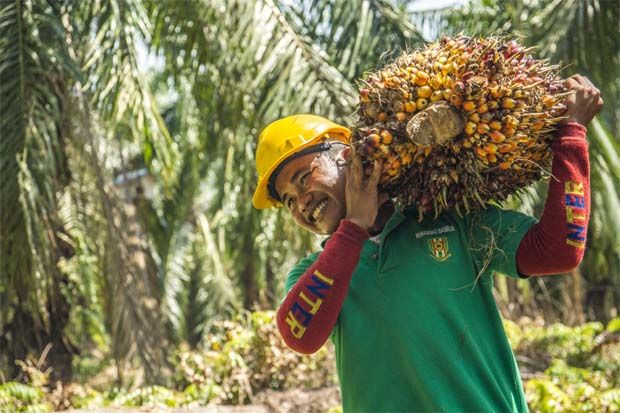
345,153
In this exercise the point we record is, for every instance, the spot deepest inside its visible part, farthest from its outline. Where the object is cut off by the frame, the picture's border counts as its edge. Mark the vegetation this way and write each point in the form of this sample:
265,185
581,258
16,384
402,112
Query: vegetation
566,369
128,234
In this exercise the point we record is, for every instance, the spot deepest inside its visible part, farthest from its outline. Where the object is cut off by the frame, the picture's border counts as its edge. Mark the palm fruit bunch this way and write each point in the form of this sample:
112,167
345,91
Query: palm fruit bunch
461,123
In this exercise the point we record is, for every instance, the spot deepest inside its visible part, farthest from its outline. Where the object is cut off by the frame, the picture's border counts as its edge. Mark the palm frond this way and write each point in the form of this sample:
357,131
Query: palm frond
119,89
35,64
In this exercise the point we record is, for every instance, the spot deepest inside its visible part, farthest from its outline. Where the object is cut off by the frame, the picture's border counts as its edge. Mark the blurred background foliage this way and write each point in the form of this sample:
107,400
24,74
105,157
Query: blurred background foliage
128,130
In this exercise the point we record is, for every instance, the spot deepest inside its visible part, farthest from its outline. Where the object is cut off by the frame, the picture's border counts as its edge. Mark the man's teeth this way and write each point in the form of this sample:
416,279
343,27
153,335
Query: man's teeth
318,211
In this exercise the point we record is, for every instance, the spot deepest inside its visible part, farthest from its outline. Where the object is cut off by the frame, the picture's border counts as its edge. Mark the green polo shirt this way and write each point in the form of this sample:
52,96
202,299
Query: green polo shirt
419,329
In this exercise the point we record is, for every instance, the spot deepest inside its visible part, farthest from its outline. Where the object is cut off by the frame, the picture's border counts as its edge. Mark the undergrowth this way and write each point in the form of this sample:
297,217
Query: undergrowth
564,369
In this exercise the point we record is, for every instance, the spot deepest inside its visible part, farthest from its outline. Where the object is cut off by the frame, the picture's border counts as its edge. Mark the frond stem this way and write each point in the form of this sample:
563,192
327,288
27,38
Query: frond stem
22,86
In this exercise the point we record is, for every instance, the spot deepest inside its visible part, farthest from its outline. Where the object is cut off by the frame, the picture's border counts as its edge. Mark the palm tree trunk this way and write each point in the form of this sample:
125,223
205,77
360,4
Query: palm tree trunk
248,280
577,296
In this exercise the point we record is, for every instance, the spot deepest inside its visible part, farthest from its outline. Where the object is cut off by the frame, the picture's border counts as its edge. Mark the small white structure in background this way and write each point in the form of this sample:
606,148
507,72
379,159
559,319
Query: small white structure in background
134,185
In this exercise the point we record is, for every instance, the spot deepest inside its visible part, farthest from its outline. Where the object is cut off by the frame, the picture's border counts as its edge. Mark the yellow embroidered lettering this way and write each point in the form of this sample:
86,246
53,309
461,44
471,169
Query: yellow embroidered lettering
573,215
576,244
323,278
572,187
313,304
297,330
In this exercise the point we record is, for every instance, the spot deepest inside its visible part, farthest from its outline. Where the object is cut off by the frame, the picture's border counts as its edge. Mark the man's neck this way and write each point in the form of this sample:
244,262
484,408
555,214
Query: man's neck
383,215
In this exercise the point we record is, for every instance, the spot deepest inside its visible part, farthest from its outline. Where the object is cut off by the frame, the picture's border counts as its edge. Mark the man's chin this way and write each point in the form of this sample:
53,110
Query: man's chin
330,229
323,230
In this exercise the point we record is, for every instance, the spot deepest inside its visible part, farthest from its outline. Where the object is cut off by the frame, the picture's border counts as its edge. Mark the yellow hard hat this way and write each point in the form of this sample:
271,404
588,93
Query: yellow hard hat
283,138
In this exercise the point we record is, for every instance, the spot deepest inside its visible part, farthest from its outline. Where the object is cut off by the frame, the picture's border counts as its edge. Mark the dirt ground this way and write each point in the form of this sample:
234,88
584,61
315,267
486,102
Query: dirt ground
298,401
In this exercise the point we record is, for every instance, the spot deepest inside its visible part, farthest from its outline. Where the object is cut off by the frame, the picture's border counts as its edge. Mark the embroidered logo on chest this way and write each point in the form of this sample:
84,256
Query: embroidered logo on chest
439,248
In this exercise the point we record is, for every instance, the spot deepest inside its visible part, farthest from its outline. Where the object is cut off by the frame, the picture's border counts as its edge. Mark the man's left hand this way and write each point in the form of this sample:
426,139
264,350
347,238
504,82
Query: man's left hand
584,103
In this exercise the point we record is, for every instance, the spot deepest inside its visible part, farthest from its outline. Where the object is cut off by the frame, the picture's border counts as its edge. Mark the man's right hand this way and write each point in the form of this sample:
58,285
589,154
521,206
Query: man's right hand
585,101
362,194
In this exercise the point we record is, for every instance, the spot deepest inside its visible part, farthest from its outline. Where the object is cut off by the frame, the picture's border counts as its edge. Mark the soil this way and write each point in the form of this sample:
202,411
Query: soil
270,401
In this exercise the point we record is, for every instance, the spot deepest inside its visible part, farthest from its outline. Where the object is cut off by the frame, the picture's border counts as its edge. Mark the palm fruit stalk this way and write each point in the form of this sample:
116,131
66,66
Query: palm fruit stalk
461,123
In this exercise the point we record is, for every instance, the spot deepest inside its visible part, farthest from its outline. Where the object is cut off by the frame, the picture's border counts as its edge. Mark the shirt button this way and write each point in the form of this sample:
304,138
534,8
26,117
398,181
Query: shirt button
374,256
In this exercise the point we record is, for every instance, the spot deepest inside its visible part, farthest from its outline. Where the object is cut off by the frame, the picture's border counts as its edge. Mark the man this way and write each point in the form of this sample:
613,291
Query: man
409,304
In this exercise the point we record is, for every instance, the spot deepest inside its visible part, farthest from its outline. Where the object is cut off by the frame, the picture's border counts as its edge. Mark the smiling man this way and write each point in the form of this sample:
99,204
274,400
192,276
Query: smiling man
408,304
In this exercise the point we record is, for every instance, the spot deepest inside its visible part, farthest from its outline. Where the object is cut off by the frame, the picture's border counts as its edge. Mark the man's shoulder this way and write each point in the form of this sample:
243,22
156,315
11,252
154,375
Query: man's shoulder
297,271
306,261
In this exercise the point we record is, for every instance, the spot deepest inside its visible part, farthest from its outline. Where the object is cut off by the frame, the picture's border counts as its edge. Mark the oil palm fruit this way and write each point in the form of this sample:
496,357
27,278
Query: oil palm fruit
461,123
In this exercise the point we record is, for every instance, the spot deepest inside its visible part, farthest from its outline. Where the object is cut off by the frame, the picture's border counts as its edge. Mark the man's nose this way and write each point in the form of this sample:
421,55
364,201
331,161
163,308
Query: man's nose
304,202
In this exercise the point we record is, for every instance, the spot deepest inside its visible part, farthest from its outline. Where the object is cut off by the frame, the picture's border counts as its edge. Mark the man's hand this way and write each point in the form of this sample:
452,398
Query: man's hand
362,197
584,103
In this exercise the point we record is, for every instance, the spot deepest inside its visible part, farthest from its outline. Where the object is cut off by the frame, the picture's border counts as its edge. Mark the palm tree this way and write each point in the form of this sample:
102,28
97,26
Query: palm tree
65,63
76,109
251,62
79,265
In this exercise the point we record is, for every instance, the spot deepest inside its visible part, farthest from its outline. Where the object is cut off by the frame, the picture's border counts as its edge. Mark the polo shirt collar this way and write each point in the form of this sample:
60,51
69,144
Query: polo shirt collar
394,221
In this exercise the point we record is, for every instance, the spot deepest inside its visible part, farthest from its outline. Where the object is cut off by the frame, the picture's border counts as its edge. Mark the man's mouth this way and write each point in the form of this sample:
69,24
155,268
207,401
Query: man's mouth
318,211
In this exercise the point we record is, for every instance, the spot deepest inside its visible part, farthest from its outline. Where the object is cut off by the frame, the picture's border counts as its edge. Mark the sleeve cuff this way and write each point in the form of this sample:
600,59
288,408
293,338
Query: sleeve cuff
571,135
353,231
571,129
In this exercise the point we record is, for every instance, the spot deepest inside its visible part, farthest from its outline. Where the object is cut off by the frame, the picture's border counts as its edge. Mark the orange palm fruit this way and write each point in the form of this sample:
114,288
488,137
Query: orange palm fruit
436,82
437,96
509,103
456,100
421,78
482,128
505,165
374,139
470,128
469,106
425,92
495,124
497,137
421,103
491,147
386,137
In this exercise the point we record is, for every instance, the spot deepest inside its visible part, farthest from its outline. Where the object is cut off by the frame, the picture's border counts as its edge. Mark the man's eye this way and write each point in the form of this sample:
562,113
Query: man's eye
303,178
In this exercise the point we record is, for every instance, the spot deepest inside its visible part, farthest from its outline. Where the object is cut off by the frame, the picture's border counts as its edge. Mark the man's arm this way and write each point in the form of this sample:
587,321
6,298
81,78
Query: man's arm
309,312
557,243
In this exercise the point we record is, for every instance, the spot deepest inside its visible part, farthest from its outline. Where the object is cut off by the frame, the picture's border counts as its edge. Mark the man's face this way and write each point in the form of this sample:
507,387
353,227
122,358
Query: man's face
312,188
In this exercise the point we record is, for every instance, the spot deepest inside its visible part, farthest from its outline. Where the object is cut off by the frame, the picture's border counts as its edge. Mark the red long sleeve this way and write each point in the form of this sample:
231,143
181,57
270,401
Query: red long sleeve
310,310
557,242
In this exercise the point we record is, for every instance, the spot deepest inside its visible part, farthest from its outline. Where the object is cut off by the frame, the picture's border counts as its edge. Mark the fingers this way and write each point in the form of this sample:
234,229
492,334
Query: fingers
356,166
577,82
584,82
583,90
377,168
584,101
